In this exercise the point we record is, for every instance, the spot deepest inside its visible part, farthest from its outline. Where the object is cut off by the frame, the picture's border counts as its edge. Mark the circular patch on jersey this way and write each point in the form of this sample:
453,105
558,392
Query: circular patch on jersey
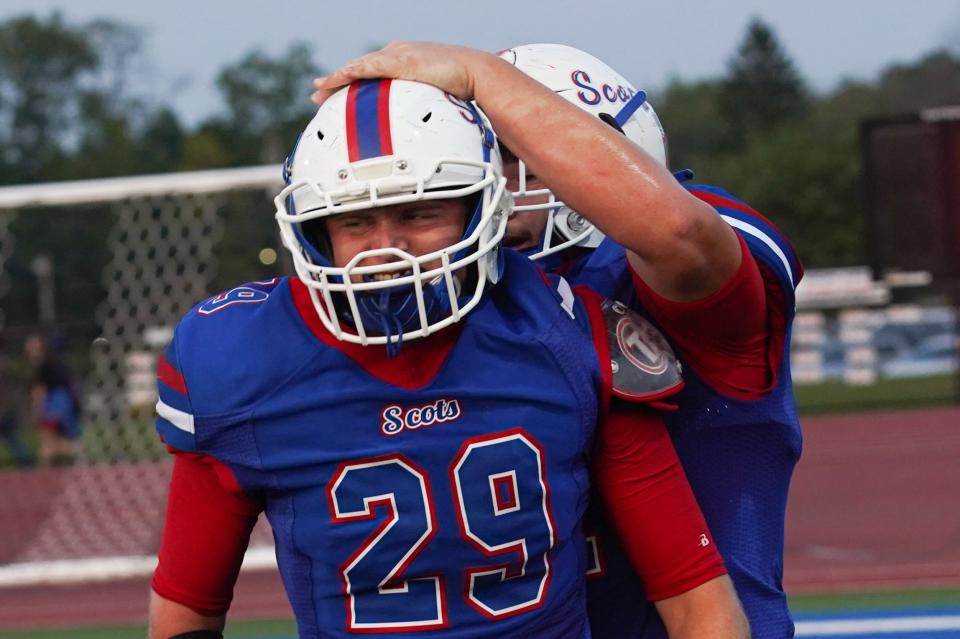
643,364
642,345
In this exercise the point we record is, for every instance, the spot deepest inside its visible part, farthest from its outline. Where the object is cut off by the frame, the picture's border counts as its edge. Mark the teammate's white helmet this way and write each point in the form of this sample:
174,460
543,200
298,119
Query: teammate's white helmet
378,143
596,88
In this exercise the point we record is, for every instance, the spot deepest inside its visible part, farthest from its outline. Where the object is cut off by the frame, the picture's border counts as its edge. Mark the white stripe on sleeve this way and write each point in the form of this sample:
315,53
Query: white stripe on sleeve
763,237
180,419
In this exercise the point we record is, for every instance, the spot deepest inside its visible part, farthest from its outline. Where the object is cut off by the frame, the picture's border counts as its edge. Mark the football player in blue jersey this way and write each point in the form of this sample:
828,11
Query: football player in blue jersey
415,411
715,276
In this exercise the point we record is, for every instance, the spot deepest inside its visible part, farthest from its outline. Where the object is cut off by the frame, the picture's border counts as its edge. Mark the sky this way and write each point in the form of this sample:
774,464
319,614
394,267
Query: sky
186,43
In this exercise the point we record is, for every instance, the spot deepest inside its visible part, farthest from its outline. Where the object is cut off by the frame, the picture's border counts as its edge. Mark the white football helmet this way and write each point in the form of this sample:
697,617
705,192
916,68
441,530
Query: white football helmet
378,143
597,89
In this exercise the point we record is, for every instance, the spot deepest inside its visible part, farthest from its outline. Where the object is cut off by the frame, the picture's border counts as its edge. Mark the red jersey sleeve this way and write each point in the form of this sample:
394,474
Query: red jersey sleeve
205,536
650,504
733,338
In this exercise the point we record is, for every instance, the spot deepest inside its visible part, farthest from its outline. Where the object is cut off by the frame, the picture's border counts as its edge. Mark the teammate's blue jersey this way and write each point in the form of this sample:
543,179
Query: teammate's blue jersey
440,499
738,454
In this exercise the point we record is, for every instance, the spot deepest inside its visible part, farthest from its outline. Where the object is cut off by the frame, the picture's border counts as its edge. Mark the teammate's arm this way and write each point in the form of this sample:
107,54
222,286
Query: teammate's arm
205,536
709,611
169,619
675,242
655,514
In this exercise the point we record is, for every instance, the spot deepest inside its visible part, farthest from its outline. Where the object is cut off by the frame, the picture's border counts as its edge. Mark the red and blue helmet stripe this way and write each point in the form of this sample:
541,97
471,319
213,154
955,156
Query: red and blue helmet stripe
368,120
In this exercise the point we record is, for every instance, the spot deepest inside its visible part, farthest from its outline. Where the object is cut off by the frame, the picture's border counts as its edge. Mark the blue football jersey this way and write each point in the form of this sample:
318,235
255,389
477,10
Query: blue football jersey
439,498
738,454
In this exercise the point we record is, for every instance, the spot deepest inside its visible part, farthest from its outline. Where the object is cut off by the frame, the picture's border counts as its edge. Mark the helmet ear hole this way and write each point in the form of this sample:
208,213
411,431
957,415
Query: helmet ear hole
507,154
427,117
612,121
315,233
471,205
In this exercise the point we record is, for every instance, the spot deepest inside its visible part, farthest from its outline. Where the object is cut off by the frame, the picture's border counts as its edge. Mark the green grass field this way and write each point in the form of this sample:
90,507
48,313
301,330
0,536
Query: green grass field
886,394
286,629
874,601
260,629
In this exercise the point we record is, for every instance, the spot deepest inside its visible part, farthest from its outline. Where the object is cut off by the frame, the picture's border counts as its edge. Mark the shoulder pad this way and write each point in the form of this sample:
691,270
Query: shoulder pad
644,366
239,346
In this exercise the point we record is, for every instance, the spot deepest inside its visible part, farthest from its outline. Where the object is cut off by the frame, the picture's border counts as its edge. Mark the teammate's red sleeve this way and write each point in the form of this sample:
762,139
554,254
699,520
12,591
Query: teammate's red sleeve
649,502
204,538
727,337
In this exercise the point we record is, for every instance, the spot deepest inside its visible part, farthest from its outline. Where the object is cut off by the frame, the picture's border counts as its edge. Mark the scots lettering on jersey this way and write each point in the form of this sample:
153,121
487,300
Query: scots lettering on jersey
394,419
592,95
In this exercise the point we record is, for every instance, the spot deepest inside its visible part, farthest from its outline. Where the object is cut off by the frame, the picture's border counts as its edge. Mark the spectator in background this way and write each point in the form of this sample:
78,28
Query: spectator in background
55,403
9,427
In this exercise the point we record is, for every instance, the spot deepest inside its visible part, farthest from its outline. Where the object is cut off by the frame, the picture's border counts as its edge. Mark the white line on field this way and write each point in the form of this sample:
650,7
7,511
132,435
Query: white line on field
867,626
65,571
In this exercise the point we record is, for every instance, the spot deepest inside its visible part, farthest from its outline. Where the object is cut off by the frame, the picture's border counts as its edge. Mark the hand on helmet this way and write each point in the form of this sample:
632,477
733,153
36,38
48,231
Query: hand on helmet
448,67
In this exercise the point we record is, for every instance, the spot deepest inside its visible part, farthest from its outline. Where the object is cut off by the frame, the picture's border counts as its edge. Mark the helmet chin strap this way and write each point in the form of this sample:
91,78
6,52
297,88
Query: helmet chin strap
389,325
396,311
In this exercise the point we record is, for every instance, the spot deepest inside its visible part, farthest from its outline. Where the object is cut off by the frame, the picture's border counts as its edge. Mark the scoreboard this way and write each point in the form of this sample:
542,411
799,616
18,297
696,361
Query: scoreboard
911,171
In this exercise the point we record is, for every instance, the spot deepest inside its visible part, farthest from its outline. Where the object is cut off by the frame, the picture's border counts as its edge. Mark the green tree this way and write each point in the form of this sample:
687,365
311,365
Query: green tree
690,114
64,110
41,63
118,46
267,103
206,148
803,175
65,114
931,82
796,158
762,88
162,141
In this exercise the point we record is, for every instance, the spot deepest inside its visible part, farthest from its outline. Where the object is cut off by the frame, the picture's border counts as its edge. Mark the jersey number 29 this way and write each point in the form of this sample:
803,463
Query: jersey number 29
502,502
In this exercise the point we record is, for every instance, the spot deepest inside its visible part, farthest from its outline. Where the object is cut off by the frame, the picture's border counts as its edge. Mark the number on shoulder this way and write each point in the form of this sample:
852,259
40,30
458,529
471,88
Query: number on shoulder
249,293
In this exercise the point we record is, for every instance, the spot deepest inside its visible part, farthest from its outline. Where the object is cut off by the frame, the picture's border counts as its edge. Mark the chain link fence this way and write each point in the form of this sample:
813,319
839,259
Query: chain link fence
129,257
